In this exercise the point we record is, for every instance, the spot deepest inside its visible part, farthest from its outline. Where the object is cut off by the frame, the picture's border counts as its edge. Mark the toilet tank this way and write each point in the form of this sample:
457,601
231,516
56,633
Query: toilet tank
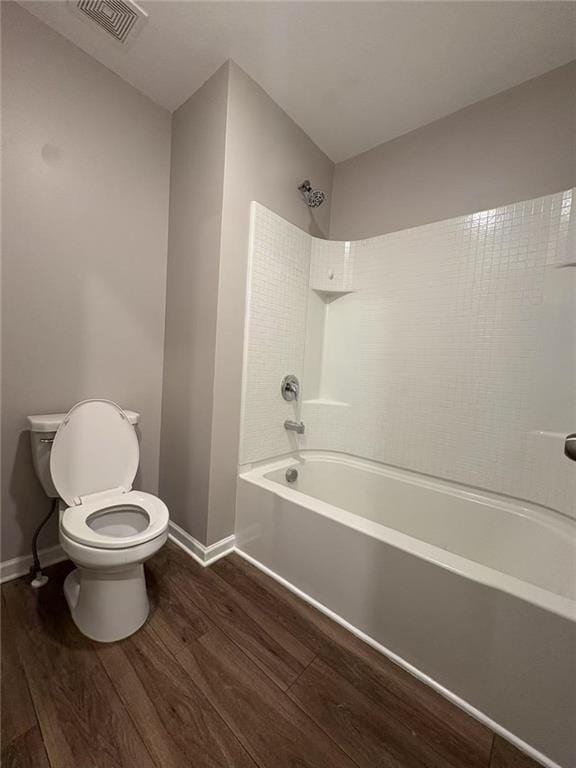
43,428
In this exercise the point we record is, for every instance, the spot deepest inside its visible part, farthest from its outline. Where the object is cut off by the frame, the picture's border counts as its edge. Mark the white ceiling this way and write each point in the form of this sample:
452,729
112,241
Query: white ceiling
351,74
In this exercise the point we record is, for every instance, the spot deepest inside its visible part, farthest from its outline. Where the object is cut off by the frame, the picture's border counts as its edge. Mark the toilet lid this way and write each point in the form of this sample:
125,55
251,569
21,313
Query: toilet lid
95,449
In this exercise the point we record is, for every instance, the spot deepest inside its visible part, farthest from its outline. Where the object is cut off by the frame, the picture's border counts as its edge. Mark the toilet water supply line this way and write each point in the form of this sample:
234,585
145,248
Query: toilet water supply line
39,579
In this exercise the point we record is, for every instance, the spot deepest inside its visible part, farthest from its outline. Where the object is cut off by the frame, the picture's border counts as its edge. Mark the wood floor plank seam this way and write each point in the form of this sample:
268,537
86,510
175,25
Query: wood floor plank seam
301,673
34,727
175,657
134,721
249,606
228,630
46,737
224,563
184,705
253,657
230,635
325,732
25,673
285,703
491,755
37,721
78,708
408,698
231,725
169,650
368,701
401,756
26,751
398,720
248,634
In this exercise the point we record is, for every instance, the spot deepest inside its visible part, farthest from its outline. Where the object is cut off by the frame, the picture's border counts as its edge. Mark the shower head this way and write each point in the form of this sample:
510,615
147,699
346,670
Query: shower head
312,197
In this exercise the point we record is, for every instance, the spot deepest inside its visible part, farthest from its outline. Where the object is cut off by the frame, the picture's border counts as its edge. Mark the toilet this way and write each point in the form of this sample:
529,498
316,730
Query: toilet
107,529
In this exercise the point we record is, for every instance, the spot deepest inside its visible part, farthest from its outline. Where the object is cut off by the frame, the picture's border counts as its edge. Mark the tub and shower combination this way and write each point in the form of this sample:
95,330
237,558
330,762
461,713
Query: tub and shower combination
416,489
456,585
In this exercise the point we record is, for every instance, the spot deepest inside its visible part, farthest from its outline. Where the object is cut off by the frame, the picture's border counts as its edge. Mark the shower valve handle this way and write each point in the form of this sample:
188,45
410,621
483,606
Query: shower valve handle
290,387
570,446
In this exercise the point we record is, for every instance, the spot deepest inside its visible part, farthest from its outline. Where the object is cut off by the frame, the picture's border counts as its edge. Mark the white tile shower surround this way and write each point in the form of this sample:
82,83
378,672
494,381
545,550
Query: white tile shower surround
278,295
454,352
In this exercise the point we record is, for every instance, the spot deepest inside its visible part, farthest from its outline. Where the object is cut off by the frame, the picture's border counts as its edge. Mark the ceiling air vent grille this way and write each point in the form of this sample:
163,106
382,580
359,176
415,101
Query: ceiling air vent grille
117,18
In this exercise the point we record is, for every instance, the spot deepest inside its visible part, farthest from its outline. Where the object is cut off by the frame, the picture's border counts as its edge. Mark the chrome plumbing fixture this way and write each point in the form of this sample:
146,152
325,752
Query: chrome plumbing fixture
291,475
570,446
312,197
294,426
290,387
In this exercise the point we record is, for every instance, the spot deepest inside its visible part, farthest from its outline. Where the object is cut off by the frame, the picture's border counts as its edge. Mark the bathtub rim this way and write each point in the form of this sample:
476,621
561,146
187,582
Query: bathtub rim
560,605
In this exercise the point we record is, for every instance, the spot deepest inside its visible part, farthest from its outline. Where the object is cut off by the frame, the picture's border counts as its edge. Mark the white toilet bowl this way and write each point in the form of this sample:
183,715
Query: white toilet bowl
109,540
107,529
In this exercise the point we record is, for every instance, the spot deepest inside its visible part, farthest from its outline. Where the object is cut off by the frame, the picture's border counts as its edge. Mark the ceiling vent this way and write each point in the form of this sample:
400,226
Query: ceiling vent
120,19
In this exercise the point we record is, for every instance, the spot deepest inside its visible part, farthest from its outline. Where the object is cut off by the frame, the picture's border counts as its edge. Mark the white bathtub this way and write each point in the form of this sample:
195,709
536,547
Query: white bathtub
473,592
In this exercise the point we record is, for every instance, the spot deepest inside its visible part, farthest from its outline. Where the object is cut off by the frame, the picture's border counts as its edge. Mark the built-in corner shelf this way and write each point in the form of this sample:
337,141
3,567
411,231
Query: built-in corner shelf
326,401
328,296
325,387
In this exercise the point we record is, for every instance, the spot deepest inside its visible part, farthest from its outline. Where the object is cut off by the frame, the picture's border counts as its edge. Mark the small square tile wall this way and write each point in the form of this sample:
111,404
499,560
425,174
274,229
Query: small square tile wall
278,280
454,352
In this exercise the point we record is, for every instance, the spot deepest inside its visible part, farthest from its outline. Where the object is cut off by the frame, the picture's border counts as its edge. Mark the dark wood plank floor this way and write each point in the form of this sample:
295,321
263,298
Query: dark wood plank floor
231,671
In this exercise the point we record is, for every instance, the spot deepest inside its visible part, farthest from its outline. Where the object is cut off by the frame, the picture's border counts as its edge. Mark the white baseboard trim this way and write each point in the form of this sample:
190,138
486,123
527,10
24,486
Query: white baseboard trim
20,566
205,555
461,703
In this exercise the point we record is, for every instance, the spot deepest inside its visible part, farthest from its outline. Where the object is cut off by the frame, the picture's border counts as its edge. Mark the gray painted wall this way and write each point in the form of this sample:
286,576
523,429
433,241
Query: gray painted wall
513,146
231,144
196,191
85,218
267,156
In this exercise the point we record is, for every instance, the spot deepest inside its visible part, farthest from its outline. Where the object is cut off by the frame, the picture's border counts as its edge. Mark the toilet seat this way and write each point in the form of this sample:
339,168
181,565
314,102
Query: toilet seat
93,462
75,522
95,450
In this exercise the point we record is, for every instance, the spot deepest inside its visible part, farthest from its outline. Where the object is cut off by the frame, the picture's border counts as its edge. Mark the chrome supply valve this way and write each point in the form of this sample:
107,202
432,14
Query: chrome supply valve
290,388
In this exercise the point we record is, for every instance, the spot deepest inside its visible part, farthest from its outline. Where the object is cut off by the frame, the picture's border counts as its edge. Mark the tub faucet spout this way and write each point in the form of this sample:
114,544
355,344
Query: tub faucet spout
294,426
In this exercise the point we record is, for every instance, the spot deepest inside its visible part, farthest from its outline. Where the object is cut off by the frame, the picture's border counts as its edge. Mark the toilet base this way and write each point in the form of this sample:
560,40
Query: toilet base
107,605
